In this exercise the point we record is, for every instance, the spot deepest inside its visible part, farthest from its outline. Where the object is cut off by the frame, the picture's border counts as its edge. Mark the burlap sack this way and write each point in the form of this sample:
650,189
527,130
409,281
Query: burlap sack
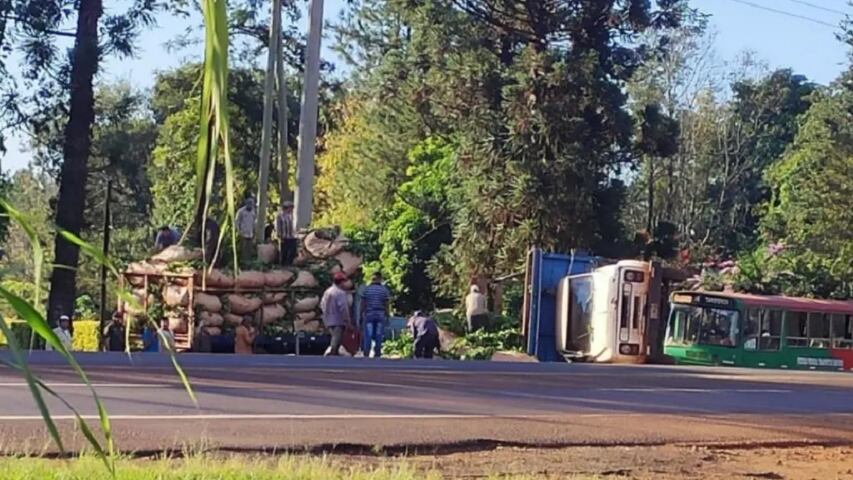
305,279
216,279
277,278
349,262
307,304
320,247
250,280
233,320
241,305
273,314
270,298
177,253
177,325
210,303
176,296
211,319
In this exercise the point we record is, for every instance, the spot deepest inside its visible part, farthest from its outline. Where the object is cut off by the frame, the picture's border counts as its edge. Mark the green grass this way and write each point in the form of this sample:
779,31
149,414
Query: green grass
207,468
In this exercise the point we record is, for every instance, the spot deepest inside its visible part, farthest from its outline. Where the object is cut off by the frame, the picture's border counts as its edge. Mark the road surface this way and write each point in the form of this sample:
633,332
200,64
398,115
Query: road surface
274,403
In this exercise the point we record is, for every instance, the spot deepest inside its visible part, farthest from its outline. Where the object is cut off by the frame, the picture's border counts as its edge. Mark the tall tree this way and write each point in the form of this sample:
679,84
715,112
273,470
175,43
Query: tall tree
72,186
807,224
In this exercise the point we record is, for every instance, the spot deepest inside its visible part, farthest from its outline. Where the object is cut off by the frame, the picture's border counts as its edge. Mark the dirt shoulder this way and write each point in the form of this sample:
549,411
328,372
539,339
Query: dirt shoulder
646,462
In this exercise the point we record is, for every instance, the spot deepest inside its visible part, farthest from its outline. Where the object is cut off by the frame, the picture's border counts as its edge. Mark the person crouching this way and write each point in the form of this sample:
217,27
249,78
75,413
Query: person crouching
425,333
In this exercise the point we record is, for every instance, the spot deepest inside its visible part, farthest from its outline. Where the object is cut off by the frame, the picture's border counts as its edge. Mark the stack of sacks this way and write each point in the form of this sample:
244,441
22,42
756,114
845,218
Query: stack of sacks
287,297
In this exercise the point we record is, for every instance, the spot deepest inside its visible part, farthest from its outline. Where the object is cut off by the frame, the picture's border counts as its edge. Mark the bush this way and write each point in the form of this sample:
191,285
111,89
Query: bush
403,346
21,333
86,337
482,344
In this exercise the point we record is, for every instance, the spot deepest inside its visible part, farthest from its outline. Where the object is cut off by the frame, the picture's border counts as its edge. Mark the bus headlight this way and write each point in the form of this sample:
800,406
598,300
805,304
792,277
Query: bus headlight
629,349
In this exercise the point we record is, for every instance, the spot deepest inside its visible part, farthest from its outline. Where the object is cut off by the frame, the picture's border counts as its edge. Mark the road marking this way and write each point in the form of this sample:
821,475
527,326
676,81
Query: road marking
96,385
298,416
694,390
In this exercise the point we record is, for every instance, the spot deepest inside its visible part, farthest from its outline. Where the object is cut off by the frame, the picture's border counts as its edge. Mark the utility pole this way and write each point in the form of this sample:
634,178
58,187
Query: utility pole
106,252
308,119
283,149
266,133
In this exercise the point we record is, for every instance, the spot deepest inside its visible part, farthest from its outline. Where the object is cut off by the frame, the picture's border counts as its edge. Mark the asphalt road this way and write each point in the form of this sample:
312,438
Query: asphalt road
269,402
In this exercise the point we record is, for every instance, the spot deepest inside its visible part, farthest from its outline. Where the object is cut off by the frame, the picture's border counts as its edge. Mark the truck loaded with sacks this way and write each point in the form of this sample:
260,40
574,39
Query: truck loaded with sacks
198,300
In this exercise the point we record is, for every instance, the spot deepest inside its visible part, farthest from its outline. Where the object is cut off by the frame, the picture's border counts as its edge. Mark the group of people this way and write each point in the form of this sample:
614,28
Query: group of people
283,227
374,305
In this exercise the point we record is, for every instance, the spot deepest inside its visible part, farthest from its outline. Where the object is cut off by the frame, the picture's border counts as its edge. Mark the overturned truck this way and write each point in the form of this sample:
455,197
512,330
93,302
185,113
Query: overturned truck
210,302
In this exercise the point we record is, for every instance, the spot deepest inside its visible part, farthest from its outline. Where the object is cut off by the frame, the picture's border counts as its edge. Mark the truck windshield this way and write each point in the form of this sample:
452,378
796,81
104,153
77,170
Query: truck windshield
692,325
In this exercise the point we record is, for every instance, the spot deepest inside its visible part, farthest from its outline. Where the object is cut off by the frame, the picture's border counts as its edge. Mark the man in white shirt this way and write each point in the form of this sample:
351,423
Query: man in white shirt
245,223
63,332
476,309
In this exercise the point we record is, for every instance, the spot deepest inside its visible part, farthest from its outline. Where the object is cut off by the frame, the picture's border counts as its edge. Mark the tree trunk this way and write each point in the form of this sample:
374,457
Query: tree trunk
650,215
72,183
284,164
266,131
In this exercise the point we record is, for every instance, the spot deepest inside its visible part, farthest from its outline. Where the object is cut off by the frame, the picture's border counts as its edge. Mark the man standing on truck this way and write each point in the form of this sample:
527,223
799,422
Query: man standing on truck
286,233
336,312
245,223
375,300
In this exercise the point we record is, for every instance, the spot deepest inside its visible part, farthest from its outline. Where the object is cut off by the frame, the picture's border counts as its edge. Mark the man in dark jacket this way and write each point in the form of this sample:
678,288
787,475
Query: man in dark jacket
114,333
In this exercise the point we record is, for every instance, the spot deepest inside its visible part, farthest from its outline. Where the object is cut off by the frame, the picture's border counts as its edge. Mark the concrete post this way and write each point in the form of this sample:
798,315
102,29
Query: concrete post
308,119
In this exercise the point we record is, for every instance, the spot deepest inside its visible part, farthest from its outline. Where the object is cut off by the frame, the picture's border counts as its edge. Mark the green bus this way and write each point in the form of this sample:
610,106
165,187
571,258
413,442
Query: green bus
736,329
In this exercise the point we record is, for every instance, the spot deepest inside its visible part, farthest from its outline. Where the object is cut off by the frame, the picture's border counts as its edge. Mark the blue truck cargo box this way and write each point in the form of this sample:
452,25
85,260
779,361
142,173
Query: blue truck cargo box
544,272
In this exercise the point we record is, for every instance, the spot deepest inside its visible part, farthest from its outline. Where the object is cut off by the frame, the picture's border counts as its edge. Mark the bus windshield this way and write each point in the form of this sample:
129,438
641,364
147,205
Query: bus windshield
692,325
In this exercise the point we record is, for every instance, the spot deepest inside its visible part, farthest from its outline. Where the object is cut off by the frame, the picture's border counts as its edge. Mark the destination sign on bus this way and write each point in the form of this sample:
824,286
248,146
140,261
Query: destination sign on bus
699,299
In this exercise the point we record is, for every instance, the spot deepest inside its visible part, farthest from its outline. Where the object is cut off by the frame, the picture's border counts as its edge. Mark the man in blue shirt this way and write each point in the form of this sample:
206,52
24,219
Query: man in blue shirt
375,300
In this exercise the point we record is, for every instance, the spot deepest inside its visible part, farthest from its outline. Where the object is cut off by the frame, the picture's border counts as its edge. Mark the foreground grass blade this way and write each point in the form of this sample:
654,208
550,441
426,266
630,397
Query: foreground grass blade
38,324
81,423
32,383
37,251
213,120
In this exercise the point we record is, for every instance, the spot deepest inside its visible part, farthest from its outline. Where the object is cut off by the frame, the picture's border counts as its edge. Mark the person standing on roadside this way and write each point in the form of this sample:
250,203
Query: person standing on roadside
375,300
336,312
115,333
244,337
425,332
245,222
286,233
63,331
476,309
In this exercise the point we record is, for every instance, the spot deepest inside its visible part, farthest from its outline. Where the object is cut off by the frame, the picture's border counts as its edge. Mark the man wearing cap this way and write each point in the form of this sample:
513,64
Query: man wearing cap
63,332
336,312
286,233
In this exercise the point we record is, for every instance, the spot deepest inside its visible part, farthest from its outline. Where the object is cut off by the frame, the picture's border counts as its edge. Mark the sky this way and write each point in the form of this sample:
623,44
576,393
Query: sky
799,39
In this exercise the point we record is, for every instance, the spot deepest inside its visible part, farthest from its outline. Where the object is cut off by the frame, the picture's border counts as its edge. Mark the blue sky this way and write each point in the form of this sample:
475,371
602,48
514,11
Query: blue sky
782,41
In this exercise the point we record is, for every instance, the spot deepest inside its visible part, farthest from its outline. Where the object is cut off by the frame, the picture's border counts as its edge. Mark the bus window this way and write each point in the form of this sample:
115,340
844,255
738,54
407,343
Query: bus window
751,329
819,330
842,331
719,327
796,329
771,330
684,325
